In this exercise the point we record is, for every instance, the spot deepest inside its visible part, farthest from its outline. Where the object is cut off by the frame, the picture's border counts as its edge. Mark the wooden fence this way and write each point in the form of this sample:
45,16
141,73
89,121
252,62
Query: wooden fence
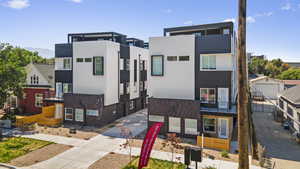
214,143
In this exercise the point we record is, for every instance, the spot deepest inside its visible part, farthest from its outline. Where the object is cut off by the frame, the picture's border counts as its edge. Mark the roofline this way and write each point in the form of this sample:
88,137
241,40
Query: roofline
202,26
95,33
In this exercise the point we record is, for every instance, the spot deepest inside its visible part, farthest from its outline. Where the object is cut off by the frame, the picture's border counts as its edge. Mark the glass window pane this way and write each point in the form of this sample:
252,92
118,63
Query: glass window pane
157,65
174,125
90,112
191,126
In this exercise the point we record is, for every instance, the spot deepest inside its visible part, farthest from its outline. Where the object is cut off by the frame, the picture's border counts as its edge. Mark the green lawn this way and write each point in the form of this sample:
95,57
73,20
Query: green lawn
11,148
155,164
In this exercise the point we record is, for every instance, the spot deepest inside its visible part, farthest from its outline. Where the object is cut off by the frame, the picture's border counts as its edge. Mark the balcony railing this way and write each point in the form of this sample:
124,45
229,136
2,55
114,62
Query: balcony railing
223,107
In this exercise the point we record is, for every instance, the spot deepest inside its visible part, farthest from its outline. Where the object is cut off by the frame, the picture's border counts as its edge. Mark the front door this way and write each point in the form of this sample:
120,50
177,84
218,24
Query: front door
223,128
223,98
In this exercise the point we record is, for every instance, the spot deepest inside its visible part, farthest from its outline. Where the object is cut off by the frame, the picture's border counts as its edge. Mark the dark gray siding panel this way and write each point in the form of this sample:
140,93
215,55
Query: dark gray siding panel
212,79
175,108
124,76
63,50
143,75
124,51
213,44
64,76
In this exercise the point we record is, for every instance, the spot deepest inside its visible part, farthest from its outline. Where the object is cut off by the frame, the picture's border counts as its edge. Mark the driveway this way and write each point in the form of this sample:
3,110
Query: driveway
280,146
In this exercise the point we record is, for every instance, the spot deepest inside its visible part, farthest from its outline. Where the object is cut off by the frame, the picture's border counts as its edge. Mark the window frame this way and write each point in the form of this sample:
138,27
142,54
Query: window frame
88,60
37,102
184,58
79,60
69,67
131,105
89,110
156,118
69,87
172,58
101,73
71,112
79,120
188,121
209,66
215,125
208,91
170,129
162,65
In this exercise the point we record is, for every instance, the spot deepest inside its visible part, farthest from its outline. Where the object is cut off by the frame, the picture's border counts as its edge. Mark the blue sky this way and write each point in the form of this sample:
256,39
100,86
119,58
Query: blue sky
273,25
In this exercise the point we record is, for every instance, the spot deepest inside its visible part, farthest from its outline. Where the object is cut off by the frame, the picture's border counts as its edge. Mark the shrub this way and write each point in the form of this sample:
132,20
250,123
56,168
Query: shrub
224,154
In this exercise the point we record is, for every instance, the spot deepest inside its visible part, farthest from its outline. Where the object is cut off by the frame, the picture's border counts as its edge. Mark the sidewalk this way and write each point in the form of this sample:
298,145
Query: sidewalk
86,152
219,164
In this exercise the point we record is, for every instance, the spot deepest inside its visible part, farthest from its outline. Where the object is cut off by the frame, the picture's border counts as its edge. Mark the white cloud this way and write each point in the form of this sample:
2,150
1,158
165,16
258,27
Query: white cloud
188,22
286,7
168,11
76,1
251,19
229,20
17,4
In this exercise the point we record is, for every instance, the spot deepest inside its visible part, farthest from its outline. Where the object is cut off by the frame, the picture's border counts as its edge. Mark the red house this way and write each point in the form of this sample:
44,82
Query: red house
39,84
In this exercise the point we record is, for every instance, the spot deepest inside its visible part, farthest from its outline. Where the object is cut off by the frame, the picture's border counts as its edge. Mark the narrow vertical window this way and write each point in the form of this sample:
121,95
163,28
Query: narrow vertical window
135,70
157,65
98,66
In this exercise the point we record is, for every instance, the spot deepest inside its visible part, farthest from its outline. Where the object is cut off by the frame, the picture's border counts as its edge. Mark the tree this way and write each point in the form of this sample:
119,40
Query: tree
12,71
243,120
127,134
290,74
173,142
257,66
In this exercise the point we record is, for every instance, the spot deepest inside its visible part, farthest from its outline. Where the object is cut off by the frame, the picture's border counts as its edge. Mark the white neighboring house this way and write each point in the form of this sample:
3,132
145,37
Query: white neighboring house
268,87
289,102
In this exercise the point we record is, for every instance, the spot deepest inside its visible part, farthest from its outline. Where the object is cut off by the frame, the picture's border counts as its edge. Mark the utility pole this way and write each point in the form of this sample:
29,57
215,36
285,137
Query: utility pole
243,120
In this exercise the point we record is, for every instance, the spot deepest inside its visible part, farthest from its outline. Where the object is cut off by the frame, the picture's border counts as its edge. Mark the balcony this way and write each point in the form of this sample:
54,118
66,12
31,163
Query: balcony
219,107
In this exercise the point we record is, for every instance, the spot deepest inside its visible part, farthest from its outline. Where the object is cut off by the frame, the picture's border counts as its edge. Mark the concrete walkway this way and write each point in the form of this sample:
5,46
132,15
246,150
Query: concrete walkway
86,152
219,164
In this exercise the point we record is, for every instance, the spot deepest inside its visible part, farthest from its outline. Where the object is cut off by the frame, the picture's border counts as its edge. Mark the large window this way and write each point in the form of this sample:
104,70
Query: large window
98,65
68,114
157,63
190,126
174,125
208,62
67,63
209,125
91,112
38,100
121,64
208,95
67,88
79,115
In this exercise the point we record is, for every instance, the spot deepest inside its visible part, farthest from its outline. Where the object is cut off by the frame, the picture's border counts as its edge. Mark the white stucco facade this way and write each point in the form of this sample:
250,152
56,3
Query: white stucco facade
179,83
84,81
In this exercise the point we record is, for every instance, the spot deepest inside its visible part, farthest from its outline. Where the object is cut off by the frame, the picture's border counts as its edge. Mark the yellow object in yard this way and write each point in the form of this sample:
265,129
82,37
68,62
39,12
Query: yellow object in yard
214,143
45,118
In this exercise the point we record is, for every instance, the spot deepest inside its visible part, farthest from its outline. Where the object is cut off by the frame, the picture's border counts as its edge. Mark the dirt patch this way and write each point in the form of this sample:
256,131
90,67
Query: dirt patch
111,161
39,155
82,132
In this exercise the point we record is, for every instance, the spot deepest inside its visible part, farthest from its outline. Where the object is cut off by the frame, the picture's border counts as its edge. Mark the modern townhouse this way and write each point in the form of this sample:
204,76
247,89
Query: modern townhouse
289,103
100,77
193,82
